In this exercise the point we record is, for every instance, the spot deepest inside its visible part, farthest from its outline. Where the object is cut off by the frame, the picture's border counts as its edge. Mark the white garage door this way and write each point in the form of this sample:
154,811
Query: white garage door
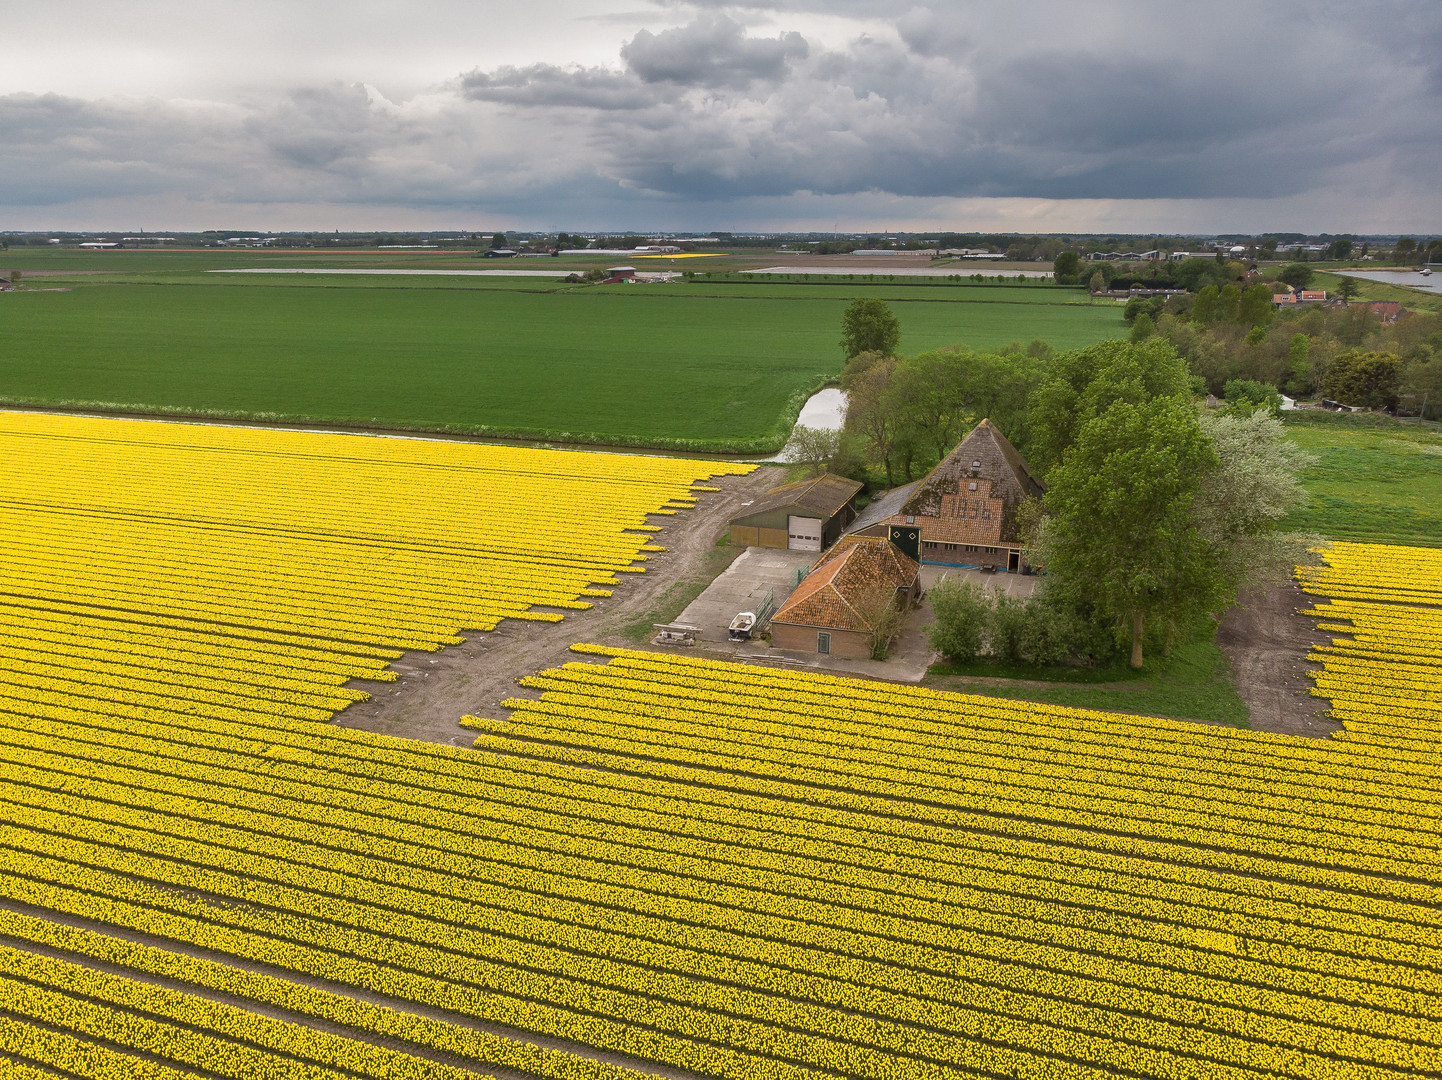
803,534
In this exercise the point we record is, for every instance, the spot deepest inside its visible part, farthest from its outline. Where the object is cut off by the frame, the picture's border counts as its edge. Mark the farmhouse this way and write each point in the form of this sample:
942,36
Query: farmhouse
839,605
807,515
965,512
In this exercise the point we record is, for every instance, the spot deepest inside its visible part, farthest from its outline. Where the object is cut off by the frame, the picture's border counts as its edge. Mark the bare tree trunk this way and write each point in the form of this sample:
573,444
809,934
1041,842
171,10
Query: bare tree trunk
1137,618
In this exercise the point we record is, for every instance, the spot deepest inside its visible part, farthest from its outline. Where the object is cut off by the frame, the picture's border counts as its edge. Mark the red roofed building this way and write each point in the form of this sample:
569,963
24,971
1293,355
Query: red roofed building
839,605
1386,310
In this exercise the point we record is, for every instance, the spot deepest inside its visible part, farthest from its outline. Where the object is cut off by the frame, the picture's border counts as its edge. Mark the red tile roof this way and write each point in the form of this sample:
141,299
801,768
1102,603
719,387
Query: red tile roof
850,585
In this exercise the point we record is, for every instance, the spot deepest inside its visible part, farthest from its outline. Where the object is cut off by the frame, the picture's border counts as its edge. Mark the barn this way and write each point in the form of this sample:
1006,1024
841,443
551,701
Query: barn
807,515
965,512
840,603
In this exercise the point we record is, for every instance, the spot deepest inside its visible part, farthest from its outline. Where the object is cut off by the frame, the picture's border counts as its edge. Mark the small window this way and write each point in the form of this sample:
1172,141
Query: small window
970,547
976,464
823,643
971,486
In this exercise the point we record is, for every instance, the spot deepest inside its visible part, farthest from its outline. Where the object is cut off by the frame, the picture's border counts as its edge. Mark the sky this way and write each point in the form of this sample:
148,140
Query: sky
814,115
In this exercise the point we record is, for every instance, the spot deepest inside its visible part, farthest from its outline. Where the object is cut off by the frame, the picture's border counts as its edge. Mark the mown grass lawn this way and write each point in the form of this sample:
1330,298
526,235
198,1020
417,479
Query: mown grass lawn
1193,683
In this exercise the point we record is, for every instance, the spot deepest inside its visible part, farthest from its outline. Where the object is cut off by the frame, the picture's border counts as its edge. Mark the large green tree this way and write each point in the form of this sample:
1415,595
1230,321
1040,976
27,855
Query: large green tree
1368,379
869,326
1120,535
1067,268
1297,275
1084,383
1242,498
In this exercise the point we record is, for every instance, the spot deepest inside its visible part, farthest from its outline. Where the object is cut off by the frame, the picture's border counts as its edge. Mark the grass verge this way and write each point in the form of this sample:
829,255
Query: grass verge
1193,683
1375,480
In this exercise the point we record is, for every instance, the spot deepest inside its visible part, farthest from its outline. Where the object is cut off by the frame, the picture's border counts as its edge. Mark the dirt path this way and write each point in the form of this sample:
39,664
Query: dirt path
436,689
1267,643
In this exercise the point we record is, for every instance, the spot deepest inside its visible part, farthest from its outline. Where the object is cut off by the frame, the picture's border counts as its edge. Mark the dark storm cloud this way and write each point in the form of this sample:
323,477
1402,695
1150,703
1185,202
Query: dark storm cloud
712,51
724,102
1051,101
549,85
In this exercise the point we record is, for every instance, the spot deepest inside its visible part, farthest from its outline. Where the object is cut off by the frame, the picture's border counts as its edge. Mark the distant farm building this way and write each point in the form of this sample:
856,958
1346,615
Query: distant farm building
1386,310
807,515
499,253
966,511
841,603
620,273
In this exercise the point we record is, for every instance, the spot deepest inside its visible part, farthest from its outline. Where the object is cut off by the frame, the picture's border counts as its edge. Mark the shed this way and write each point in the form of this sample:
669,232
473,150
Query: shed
839,605
807,515
620,273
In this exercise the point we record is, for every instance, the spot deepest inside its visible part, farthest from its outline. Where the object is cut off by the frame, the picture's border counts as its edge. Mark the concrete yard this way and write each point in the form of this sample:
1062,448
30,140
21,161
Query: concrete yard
743,587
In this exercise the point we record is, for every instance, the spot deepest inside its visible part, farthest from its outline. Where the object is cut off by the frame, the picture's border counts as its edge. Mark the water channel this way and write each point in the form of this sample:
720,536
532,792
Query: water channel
1431,282
825,409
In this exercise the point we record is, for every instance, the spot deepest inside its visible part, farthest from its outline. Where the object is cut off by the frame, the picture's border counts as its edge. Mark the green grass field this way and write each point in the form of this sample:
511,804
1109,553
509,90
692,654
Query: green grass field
1193,683
1375,480
681,366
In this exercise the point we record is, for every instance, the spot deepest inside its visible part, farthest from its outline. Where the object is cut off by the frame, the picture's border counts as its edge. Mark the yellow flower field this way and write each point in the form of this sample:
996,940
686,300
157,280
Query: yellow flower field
662,865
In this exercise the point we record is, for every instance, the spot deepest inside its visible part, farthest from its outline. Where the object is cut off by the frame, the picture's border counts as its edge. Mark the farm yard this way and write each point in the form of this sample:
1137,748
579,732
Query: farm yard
501,357
659,865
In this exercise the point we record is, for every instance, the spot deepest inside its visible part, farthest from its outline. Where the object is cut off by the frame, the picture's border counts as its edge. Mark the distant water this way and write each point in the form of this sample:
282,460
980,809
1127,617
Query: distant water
1398,277
825,409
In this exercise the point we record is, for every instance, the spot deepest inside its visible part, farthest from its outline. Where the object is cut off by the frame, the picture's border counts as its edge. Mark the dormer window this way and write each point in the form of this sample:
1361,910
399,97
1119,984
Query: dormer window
976,464
971,486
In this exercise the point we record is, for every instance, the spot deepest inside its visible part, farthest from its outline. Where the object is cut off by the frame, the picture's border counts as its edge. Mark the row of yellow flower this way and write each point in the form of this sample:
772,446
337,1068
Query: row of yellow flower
1382,680
1021,796
481,1047
487,816
1145,774
618,908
